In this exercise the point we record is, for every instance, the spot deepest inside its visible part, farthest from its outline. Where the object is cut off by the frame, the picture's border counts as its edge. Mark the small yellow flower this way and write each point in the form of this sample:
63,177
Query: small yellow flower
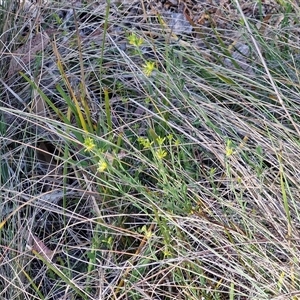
167,252
147,232
89,144
170,137
177,143
229,148
102,166
229,151
160,153
148,68
134,40
160,140
145,142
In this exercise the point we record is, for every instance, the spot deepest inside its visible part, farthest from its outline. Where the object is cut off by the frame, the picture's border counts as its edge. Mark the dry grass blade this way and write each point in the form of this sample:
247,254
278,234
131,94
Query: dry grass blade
35,244
155,158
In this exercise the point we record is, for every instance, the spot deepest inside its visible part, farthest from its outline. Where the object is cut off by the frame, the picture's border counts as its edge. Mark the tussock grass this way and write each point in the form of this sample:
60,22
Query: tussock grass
136,164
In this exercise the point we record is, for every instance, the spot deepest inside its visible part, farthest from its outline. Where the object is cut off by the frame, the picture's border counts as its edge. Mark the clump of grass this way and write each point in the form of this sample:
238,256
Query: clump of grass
157,171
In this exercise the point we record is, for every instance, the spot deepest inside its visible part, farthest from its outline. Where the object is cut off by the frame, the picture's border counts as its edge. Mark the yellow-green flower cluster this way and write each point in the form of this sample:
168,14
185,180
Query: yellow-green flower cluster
148,68
159,153
229,148
145,142
102,165
134,40
90,146
160,140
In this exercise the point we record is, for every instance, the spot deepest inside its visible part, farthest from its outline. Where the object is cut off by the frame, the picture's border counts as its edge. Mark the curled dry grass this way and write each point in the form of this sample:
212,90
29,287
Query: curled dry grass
181,184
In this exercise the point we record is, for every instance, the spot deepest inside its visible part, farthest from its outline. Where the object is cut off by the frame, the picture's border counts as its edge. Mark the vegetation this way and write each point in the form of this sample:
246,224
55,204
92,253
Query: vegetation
142,162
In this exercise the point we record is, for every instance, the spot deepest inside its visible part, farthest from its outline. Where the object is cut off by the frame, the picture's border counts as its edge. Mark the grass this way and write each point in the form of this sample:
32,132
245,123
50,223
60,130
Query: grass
138,164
